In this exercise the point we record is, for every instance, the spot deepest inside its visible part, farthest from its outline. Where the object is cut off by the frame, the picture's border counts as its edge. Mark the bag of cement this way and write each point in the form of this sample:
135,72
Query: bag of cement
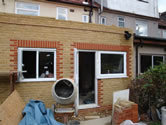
127,122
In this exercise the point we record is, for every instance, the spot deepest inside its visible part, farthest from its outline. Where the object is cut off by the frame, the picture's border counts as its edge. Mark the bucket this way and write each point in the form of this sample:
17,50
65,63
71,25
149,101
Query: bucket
163,119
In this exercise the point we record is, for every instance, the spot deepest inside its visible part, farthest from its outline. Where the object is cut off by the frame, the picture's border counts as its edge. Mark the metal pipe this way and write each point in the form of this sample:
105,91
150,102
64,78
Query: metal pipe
91,11
3,1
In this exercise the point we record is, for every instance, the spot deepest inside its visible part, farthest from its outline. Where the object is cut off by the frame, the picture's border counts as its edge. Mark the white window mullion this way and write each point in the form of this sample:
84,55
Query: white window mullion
55,64
125,64
37,64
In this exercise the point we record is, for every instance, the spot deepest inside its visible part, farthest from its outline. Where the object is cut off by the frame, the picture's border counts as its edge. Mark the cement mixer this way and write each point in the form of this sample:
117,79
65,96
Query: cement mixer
64,91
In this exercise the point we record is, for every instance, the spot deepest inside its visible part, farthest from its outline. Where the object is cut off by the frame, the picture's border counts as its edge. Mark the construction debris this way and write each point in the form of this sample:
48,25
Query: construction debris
35,113
125,110
11,110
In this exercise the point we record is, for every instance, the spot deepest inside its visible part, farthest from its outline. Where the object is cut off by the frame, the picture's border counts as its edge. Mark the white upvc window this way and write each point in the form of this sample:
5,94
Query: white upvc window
85,18
148,61
36,64
111,64
103,20
141,28
27,8
62,13
164,33
121,21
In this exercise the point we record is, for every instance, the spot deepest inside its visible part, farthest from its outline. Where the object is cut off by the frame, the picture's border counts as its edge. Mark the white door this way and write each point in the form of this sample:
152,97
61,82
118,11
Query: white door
89,99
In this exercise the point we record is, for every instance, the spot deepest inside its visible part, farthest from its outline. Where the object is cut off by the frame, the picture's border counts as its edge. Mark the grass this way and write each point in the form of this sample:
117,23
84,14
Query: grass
155,123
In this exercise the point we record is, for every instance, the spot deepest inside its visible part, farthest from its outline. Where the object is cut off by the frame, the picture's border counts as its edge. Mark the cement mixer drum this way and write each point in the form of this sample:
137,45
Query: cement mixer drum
64,91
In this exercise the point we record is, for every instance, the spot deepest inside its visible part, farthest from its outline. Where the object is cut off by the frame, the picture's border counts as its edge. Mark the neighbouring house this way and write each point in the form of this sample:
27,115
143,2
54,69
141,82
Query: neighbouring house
42,50
142,17
75,10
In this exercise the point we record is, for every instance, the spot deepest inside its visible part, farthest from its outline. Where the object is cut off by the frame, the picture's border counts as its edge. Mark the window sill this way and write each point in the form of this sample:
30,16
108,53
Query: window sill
37,80
111,77
88,106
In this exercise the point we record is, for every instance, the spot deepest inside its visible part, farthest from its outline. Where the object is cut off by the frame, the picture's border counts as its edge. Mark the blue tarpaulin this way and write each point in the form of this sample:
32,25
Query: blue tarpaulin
35,113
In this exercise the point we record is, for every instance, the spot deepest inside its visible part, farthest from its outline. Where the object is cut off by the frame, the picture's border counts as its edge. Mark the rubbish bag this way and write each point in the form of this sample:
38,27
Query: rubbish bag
35,113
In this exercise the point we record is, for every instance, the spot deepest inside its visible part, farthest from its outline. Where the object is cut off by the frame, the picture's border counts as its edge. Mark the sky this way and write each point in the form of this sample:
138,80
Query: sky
162,5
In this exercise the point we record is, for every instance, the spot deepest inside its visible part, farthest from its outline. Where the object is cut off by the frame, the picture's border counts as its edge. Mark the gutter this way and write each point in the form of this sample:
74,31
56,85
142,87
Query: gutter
72,3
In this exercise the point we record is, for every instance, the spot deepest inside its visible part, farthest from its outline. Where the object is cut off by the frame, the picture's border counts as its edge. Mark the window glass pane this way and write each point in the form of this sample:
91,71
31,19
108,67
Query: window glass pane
157,60
103,20
46,64
121,24
61,17
146,62
62,13
27,6
164,33
85,18
25,12
29,64
112,63
141,28
121,19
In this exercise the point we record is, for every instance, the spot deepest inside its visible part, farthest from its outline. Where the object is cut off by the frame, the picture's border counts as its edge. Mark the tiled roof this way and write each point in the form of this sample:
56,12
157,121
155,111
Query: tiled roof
162,23
73,1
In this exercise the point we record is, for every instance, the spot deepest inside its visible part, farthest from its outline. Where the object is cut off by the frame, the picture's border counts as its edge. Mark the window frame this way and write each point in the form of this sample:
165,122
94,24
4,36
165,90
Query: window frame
121,21
141,22
57,13
19,65
87,16
38,11
152,60
112,75
102,17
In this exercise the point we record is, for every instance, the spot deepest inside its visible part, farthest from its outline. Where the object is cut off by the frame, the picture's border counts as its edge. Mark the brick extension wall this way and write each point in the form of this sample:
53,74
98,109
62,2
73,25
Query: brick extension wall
39,32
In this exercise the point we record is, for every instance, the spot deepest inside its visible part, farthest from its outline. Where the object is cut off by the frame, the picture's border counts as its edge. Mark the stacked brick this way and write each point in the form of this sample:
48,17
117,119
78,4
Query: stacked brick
125,113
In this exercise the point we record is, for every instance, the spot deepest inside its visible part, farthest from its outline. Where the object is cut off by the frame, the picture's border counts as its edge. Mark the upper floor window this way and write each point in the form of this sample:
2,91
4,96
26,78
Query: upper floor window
148,61
103,20
27,9
36,64
85,18
121,21
62,13
164,33
141,28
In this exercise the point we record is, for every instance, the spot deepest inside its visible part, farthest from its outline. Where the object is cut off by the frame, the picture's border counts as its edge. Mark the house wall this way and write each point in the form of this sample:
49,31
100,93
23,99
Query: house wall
149,8
41,32
48,9
130,22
